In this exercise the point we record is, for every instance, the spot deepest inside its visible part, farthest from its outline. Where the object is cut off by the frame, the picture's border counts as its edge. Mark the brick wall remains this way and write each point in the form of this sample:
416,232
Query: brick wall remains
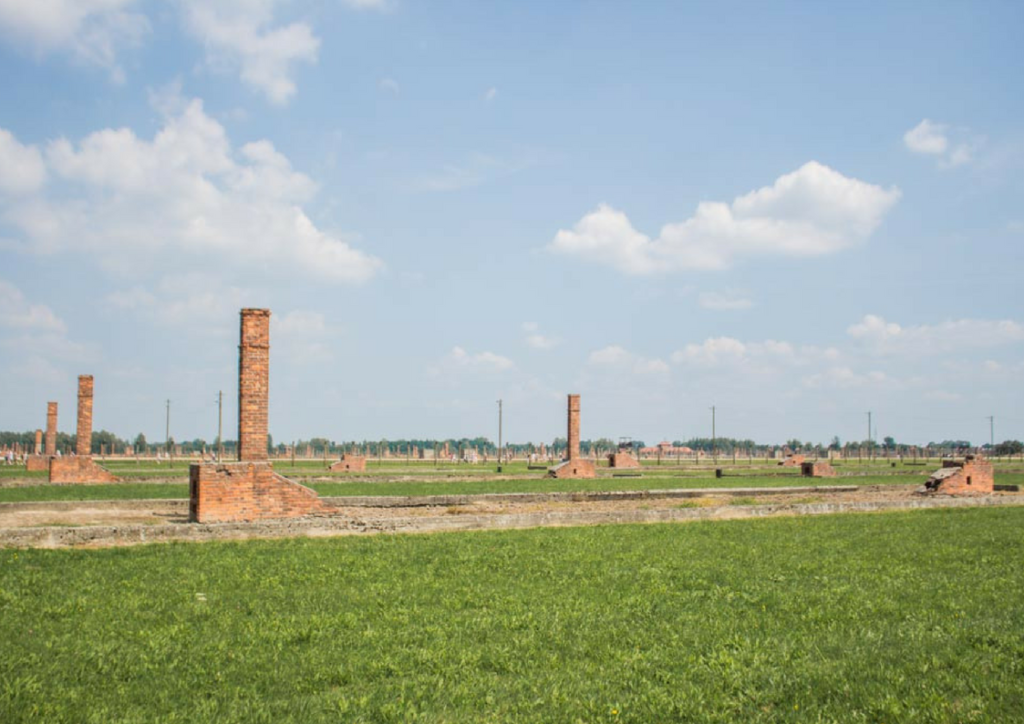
622,460
793,461
573,436
350,464
79,469
817,470
38,450
973,476
246,491
253,384
51,429
37,463
574,466
83,442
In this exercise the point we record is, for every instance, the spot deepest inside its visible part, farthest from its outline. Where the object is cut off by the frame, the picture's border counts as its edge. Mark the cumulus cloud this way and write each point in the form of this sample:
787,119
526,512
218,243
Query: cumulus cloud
844,377
883,337
92,32
932,139
615,357
17,313
812,211
187,195
765,355
535,339
728,300
21,167
240,36
459,360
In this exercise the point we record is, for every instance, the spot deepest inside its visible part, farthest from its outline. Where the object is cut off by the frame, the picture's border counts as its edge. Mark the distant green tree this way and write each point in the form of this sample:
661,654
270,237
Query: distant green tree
1009,447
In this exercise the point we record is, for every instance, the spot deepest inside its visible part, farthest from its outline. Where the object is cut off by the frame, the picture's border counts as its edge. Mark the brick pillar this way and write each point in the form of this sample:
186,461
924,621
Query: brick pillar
83,445
574,427
253,384
39,442
51,429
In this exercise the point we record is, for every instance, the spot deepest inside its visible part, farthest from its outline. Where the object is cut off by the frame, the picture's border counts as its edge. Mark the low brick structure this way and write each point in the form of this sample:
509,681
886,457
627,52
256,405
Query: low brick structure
80,467
350,464
793,461
973,476
250,489
622,459
574,466
246,491
37,463
818,469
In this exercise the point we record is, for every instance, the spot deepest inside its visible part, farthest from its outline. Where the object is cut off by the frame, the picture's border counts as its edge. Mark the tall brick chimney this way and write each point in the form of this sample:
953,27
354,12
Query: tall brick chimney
253,384
51,429
83,445
39,442
574,427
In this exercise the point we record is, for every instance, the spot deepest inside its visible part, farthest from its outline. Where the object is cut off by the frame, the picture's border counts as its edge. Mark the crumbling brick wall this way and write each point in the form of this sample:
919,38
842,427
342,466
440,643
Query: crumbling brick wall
574,466
249,489
973,476
79,469
817,469
793,461
622,460
350,464
253,379
51,429
245,491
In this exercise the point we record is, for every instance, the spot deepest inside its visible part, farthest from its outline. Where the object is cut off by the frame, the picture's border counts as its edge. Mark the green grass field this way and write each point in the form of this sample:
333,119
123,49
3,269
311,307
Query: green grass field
138,490
897,617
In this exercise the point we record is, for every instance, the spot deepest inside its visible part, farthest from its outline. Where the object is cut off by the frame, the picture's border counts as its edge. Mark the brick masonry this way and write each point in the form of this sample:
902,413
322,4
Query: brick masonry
80,468
51,429
622,460
37,463
246,491
83,441
39,443
793,461
350,464
253,384
973,476
817,470
250,489
574,466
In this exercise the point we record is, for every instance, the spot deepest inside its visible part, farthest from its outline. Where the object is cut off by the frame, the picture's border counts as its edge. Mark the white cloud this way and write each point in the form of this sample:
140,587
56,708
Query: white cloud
844,377
812,211
537,340
927,137
390,85
765,356
459,360
932,139
882,337
21,167
303,336
142,205
943,396
239,35
490,94
728,300
17,313
91,31
617,358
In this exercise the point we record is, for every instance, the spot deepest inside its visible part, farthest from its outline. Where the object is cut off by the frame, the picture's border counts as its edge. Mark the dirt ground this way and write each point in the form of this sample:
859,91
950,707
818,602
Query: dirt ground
157,512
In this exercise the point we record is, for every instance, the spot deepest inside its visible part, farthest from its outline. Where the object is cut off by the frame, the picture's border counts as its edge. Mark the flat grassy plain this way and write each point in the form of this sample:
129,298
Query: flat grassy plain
448,486
908,617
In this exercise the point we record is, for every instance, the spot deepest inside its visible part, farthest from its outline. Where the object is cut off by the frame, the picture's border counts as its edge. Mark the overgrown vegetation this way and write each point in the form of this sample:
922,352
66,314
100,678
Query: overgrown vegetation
867,618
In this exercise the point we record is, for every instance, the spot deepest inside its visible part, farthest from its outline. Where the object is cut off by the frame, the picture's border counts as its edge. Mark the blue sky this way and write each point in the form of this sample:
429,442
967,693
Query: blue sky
796,212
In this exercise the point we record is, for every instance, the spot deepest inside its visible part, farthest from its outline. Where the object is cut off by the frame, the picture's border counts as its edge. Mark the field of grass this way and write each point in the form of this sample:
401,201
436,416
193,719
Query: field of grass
138,490
868,618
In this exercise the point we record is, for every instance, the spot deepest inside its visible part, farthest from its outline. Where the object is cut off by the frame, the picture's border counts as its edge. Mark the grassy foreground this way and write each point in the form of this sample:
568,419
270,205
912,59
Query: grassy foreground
868,618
